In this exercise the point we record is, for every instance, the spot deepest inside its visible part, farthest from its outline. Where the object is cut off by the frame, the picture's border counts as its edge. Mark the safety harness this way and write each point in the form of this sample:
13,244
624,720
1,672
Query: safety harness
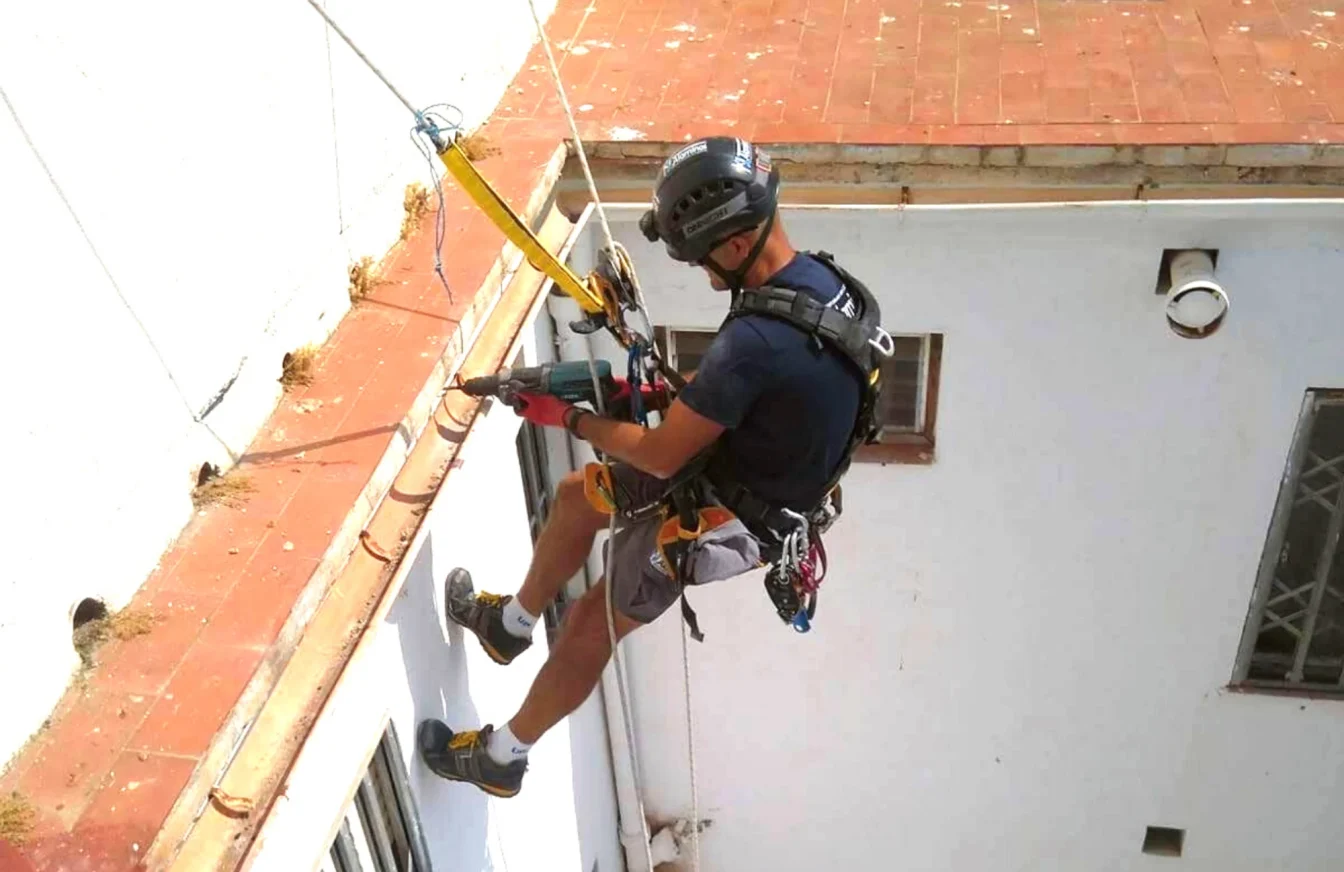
791,540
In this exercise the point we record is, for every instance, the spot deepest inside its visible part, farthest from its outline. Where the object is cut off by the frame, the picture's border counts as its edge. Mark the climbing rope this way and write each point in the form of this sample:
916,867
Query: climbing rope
623,692
429,125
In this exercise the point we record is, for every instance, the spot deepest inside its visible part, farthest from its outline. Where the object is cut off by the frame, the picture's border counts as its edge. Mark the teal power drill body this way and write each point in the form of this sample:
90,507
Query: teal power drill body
569,380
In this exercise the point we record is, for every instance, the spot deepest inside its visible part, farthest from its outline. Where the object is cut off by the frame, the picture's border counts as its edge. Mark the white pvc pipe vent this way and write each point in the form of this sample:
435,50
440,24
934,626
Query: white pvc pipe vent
1196,303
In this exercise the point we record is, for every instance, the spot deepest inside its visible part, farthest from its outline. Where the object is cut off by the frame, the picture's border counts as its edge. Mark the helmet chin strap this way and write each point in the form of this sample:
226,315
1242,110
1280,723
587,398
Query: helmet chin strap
735,278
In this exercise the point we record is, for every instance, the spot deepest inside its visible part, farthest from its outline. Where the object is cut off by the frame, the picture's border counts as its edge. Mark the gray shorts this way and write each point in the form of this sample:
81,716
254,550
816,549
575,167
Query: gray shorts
641,587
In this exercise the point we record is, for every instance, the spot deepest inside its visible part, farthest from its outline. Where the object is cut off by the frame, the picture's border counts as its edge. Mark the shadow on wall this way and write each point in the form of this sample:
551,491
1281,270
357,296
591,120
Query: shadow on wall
455,817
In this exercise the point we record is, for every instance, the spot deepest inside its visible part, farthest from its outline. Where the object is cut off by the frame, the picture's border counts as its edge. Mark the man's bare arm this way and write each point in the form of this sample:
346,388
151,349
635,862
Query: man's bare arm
660,451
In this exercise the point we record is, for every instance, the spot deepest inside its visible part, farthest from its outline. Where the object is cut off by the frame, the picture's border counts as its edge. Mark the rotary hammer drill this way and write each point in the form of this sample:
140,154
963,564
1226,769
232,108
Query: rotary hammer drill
570,381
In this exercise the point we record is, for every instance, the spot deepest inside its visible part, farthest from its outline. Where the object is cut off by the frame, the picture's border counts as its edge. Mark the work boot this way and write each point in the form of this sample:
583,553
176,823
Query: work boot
482,614
462,757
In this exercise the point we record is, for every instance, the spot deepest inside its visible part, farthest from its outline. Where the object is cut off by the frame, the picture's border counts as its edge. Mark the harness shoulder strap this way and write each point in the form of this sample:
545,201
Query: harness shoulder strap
857,339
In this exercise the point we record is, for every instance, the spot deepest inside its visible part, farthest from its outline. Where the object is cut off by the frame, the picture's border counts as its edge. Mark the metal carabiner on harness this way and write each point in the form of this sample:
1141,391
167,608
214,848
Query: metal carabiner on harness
883,343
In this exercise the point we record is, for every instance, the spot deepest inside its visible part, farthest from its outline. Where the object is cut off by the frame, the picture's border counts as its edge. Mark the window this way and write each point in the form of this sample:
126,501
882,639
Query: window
381,829
534,463
909,390
909,405
683,348
532,460
1294,635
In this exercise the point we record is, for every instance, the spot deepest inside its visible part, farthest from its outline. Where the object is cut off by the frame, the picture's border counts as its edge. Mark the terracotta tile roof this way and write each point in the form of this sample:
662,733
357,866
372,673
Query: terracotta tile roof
949,71
120,747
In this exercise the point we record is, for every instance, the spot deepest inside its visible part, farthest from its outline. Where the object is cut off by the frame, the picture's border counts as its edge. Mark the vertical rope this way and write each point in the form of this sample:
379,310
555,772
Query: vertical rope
616,248
611,622
690,749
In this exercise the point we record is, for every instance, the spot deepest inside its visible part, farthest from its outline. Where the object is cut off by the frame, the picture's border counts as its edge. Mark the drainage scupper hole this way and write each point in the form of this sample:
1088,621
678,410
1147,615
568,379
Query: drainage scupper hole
88,627
208,471
1163,841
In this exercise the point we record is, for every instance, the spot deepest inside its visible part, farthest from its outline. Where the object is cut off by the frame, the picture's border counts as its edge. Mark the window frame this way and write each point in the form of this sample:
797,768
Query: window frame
665,337
896,444
538,494
917,444
1285,501
382,799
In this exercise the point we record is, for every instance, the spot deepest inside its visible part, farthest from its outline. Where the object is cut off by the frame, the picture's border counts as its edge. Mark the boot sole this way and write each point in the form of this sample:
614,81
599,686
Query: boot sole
501,792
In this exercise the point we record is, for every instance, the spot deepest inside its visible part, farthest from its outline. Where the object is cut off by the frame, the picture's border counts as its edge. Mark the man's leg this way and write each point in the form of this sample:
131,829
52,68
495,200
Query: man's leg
565,542
574,667
504,623
564,682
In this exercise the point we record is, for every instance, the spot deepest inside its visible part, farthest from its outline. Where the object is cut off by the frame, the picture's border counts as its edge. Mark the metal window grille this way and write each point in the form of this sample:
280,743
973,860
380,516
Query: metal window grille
905,375
533,460
1294,636
381,829
683,349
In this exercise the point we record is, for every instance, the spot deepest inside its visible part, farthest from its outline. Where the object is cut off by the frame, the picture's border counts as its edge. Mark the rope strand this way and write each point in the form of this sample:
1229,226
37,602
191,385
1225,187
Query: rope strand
427,125
611,532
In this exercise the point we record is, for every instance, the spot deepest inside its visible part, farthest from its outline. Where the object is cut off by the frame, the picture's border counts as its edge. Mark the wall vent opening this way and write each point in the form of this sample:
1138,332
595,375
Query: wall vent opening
1163,841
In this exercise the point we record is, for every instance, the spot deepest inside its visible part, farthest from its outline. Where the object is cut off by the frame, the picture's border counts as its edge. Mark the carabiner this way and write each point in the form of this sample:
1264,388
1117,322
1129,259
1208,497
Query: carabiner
885,345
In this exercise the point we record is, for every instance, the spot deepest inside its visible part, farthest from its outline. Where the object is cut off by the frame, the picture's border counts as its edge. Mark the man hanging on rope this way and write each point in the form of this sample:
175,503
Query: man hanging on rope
768,424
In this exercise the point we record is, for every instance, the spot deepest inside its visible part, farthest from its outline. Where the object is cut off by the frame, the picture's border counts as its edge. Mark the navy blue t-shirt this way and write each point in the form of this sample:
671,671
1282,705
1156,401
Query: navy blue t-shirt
788,407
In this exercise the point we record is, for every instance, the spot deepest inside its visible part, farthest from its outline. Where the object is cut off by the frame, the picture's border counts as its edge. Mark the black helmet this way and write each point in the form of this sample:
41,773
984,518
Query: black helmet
708,191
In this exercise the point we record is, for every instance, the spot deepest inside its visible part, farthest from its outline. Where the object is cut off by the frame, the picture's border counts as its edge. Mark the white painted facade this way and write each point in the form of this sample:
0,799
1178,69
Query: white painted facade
213,170
413,666
1021,653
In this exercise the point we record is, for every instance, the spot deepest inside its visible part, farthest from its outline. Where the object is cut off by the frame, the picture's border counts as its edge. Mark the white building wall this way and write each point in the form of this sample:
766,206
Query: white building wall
416,667
213,170
1021,651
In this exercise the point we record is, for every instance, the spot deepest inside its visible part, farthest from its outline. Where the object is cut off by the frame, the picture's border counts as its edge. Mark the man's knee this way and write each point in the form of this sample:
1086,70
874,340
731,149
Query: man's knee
572,499
587,619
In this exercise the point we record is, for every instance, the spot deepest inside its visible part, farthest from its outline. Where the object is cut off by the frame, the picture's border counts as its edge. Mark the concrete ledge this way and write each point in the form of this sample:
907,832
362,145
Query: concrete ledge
1028,155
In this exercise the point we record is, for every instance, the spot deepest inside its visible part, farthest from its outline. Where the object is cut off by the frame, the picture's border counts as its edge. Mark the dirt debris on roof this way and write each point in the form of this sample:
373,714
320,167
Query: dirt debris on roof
363,278
123,625
230,489
416,203
16,819
296,369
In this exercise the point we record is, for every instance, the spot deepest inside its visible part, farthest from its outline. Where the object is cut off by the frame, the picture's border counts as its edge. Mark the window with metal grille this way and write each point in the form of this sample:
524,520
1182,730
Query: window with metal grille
534,463
532,460
1294,635
683,348
380,831
909,405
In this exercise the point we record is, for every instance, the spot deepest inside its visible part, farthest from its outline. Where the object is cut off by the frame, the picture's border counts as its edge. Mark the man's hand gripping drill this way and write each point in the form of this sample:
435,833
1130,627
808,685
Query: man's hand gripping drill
542,394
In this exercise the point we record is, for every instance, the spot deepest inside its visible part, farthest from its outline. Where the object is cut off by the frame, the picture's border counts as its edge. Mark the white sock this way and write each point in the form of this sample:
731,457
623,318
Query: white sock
504,747
518,620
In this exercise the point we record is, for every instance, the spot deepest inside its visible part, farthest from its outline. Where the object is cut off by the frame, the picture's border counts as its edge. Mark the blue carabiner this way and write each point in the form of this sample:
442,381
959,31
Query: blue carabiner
800,623
633,377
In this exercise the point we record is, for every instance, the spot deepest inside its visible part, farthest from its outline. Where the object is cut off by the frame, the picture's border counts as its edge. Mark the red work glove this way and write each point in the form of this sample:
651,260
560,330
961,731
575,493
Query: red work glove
654,397
543,410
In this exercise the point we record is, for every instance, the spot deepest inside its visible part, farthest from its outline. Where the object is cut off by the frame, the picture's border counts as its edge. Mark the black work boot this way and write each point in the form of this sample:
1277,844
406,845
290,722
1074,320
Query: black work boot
482,614
462,757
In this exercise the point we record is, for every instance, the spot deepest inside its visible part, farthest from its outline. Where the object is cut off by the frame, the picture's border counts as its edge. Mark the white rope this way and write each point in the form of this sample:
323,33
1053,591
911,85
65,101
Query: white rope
583,159
363,57
623,692
690,749
616,248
